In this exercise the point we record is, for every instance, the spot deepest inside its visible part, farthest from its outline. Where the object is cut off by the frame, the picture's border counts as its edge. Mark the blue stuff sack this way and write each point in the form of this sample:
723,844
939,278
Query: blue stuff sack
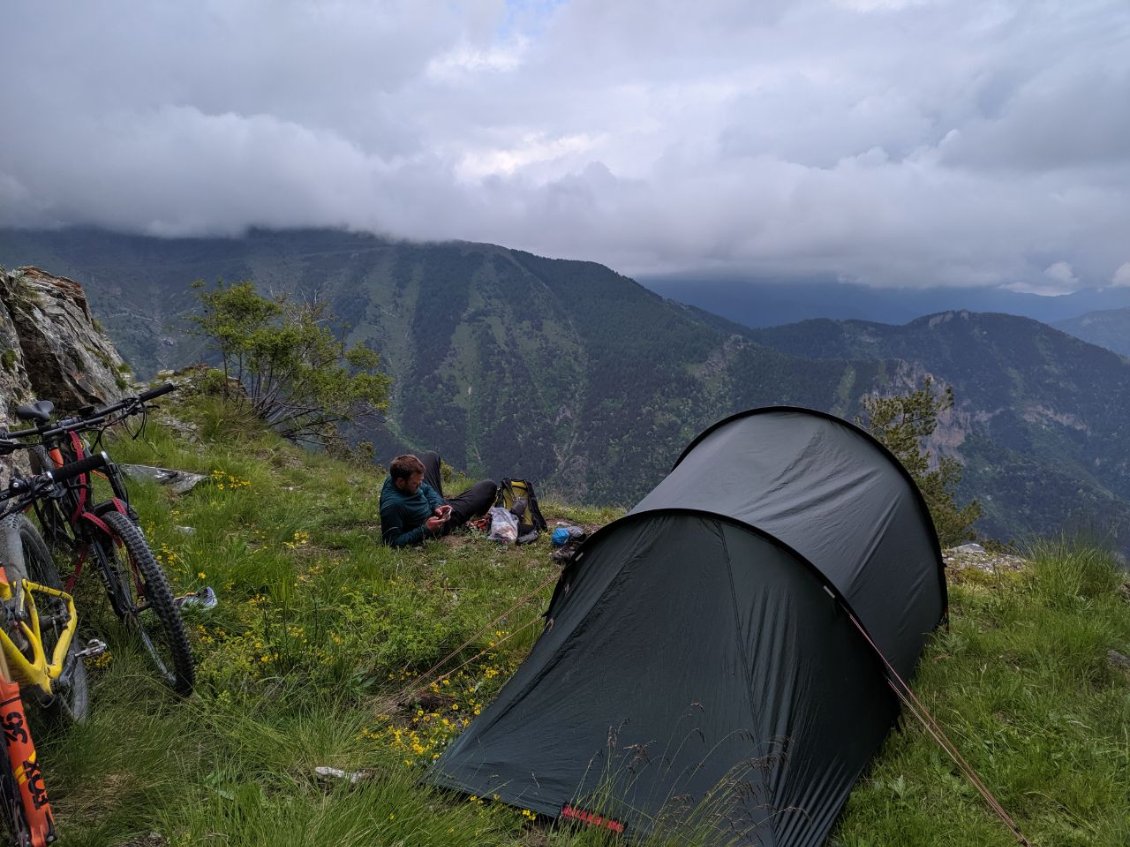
562,535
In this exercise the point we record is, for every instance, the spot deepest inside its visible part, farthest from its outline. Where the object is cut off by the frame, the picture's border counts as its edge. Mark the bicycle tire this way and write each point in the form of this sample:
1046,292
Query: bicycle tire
72,696
147,609
11,808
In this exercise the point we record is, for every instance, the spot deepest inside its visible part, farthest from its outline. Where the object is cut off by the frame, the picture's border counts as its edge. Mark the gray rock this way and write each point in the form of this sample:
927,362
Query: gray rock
15,387
179,481
53,350
326,774
969,548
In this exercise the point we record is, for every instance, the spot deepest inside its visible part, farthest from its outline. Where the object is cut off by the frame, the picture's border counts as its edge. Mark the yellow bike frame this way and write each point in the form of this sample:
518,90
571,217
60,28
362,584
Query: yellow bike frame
37,671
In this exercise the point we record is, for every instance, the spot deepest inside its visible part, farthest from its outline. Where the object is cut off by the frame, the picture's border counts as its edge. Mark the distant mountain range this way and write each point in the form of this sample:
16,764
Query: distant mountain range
762,303
1110,329
587,382
1040,420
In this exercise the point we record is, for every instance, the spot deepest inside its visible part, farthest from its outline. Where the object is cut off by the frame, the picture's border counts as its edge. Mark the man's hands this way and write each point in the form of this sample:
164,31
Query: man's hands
436,522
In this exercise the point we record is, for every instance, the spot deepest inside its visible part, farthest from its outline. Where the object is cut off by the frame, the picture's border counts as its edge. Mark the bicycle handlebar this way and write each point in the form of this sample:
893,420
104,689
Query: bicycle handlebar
154,393
132,403
90,463
124,403
29,488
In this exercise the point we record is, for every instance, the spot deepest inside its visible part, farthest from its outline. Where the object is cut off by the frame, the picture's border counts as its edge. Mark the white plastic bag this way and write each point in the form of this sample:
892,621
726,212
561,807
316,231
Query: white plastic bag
503,525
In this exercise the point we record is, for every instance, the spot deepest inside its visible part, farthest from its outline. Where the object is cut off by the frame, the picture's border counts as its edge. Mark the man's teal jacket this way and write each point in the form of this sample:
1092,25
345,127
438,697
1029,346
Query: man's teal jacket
403,515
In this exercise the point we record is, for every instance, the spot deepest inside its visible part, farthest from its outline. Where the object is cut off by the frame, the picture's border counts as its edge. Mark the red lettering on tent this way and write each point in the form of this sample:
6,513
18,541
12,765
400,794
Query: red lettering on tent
575,814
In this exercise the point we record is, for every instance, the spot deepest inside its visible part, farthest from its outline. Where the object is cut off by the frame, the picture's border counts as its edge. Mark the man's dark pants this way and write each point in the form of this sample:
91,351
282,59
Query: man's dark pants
472,503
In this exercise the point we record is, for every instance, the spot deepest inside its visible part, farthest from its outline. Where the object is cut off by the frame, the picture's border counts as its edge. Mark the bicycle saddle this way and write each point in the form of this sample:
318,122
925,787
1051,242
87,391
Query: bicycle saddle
39,411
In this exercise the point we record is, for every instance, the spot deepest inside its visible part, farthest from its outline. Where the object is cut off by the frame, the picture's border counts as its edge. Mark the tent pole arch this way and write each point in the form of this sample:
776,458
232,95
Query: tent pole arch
860,431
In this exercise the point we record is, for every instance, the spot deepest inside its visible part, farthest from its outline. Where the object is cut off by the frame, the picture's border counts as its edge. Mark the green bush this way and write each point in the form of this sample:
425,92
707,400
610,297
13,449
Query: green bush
903,423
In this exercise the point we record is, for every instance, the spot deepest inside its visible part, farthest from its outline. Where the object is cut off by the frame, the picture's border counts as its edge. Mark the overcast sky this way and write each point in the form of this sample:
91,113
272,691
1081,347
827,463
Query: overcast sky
894,142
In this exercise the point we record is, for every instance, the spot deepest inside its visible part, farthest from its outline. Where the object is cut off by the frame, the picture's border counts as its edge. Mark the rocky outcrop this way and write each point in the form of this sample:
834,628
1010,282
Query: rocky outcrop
977,557
50,346
15,386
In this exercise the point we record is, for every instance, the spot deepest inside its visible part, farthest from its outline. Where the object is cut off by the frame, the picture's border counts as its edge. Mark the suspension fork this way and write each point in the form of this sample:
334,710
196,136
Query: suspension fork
23,761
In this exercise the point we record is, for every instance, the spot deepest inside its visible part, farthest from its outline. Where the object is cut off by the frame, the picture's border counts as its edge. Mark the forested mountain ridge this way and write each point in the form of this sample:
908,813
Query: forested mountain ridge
1040,421
563,371
577,377
506,362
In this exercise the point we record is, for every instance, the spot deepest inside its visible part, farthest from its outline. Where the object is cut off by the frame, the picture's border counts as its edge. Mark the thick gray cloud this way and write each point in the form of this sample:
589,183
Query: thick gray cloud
910,142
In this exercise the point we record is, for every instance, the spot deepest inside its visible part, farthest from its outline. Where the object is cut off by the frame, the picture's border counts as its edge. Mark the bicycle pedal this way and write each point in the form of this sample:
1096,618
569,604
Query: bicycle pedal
94,647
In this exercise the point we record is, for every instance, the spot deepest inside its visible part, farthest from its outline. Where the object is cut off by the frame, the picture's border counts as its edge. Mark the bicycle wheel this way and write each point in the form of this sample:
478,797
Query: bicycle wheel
11,808
72,690
141,597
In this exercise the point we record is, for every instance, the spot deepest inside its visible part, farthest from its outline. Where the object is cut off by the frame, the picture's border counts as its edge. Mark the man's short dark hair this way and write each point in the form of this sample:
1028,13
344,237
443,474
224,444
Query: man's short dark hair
404,466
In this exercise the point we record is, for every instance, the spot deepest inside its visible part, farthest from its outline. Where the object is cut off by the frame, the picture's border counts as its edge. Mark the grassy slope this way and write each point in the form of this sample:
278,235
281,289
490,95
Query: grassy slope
312,658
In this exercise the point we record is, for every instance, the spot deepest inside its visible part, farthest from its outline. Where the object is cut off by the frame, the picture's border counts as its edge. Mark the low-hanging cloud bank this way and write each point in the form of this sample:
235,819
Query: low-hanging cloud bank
894,142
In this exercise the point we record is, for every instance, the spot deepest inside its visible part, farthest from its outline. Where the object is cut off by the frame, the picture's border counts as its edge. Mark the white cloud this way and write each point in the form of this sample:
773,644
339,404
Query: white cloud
1058,279
878,5
533,149
467,59
1061,273
1121,278
888,141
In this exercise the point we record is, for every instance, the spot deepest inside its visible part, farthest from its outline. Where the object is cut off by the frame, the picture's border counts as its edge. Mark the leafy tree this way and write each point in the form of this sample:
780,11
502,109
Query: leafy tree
281,359
903,423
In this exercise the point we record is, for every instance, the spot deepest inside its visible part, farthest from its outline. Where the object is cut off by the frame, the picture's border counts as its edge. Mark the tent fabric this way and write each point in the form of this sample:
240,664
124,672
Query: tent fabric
838,498
699,667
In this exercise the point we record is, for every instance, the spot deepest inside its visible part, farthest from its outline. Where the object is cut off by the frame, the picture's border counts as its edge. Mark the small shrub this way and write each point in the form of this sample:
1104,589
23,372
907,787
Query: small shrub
902,423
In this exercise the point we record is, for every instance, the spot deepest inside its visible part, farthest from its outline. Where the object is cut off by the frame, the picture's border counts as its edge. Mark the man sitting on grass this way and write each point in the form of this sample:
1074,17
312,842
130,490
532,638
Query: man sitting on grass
412,503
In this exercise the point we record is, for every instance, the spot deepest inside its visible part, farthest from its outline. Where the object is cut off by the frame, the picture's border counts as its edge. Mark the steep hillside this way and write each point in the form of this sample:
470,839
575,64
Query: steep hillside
575,376
1040,418
1109,328
563,371
508,363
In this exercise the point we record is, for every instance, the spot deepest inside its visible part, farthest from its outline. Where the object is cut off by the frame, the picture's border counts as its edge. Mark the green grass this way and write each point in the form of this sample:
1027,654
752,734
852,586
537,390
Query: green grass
1023,686
316,653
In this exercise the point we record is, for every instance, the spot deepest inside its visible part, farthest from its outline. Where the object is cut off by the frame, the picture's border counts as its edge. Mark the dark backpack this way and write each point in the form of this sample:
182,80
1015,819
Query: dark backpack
517,496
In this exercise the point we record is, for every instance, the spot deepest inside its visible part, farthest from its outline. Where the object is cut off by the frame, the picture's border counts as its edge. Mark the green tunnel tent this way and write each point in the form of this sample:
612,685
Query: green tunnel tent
699,662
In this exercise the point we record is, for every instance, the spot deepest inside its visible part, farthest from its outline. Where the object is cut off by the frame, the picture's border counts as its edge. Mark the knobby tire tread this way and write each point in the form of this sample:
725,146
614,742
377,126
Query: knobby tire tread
159,596
74,703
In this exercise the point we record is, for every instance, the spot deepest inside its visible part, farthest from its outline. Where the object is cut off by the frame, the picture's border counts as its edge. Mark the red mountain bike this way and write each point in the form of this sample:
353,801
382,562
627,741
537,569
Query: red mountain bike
105,531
